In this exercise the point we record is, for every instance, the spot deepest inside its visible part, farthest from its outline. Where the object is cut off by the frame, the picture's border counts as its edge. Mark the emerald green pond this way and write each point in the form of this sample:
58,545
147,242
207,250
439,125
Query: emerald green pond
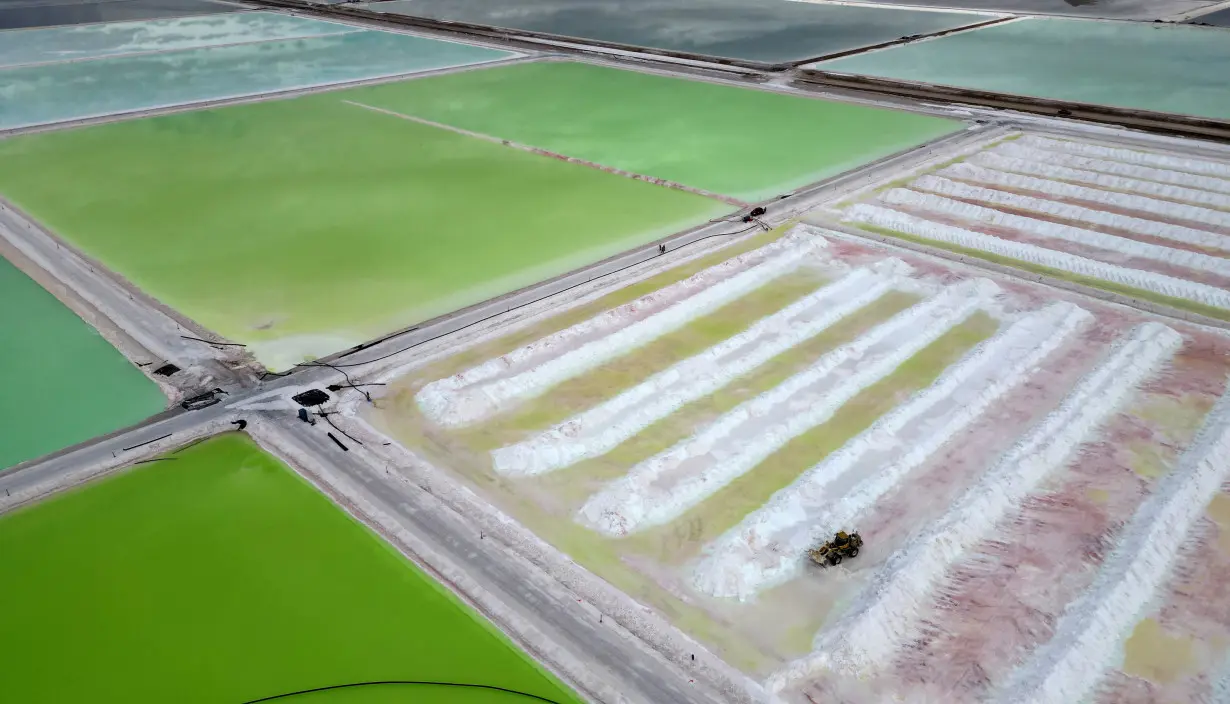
223,577
62,382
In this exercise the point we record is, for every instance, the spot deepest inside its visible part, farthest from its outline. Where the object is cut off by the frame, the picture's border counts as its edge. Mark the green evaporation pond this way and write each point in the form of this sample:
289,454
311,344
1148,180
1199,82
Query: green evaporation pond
62,382
224,577
1164,68
303,227
750,144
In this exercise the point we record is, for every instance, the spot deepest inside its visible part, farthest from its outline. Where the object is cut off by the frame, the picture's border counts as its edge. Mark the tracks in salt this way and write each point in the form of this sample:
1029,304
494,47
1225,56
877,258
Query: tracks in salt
1027,162
1174,287
934,205
664,486
1129,156
1112,199
768,546
1087,637
886,614
492,387
600,429
1110,167
1073,213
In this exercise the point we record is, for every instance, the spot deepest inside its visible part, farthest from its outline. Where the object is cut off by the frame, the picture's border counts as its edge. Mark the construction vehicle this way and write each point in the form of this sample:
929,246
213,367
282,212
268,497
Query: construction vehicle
841,546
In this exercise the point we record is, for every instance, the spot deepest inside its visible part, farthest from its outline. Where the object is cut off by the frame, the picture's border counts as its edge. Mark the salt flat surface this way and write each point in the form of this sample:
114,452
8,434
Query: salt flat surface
885,617
664,486
600,429
1135,218
1088,637
991,474
1051,258
531,370
770,545
89,41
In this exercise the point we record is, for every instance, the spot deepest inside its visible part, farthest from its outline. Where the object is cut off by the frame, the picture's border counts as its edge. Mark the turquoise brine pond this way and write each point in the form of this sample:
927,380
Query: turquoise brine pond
1164,68
62,382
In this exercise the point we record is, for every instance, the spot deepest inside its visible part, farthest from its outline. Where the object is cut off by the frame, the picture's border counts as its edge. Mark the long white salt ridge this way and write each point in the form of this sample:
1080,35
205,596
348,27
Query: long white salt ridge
1147,280
1219,692
664,486
1130,156
1087,638
599,429
769,546
1029,167
931,203
1115,168
1074,213
1061,189
885,616
494,386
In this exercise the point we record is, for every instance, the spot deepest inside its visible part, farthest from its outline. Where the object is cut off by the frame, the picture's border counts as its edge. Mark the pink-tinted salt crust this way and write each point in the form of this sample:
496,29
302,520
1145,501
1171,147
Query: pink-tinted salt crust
1148,239
1101,206
1078,249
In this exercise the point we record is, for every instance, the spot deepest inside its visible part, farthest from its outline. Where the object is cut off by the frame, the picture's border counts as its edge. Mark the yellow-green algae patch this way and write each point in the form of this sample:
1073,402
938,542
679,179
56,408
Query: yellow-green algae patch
221,576
680,540
1155,655
594,387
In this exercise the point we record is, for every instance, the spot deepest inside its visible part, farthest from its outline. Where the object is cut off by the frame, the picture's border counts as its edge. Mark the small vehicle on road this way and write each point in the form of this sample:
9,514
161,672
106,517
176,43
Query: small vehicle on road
204,400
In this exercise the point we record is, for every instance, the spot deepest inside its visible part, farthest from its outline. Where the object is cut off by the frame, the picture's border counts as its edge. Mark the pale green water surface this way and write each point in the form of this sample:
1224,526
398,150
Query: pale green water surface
306,226
749,144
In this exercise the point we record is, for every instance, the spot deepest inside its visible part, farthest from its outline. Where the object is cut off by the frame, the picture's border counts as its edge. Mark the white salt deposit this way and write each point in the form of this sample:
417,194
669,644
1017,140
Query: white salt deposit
769,546
1088,636
961,210
1130,156
1108,182
1054,259
1066,211
664,486
1219,692
1059,189
955,209
599,429
494,386
886,615
1115,168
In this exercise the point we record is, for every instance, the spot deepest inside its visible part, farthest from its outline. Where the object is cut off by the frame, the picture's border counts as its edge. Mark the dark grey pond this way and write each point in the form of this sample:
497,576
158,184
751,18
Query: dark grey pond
768,31
1111,9
20,14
